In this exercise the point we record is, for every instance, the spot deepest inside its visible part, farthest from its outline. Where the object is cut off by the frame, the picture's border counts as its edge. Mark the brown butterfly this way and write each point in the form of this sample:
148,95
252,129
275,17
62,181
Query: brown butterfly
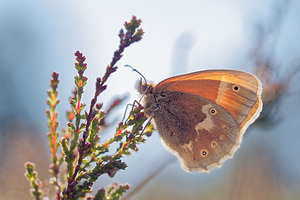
202,116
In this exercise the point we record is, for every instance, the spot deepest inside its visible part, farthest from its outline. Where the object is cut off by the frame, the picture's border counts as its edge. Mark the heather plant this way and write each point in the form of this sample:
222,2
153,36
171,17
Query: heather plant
79,156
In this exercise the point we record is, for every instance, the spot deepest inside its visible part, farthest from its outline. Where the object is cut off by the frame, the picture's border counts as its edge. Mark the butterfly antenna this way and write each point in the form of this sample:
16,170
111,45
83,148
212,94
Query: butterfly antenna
133,69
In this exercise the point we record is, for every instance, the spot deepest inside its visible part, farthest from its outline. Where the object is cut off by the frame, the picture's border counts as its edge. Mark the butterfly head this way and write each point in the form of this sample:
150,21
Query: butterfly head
144,88
148,94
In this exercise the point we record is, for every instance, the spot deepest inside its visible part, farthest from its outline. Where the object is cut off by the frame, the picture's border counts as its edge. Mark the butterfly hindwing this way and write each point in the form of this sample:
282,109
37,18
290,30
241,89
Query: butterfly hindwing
198,136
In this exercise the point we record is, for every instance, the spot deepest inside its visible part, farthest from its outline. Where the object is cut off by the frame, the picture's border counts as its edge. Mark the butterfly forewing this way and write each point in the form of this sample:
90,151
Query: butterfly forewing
236,91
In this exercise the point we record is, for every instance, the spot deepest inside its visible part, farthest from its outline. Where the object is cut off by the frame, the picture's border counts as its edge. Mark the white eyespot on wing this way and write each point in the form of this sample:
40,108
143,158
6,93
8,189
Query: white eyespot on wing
207,123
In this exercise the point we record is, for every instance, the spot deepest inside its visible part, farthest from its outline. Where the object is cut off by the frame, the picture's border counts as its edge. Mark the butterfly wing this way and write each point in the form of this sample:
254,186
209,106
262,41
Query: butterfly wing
200,138
237,92
204,115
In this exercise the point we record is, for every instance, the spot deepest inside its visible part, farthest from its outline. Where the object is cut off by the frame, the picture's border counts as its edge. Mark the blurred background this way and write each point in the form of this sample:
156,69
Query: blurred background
261,37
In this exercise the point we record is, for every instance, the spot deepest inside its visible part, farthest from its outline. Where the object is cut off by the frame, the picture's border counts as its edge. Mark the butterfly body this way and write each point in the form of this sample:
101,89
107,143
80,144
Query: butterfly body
202,116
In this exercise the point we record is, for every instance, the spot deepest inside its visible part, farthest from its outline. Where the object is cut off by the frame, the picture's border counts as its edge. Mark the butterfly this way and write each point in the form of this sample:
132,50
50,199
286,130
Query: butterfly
202,116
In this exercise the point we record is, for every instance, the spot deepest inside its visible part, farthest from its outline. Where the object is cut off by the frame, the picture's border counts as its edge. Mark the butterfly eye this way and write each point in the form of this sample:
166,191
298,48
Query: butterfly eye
212,111
235,88
163,95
